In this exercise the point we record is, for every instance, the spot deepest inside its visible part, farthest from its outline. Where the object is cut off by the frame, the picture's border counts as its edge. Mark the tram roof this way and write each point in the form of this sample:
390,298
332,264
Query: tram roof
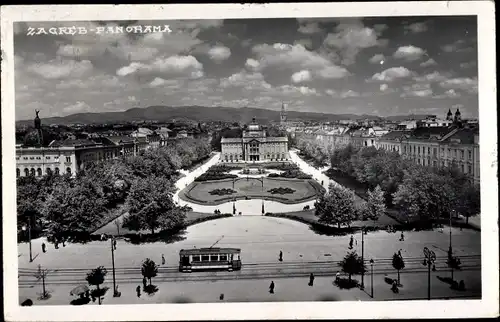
199,251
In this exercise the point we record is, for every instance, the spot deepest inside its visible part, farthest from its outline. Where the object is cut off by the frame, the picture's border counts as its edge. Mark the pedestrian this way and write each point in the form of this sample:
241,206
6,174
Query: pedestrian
399,253
221,297
43,247
311,279
162,259
402,236
281,256
433,267
63,241
56,244
114,243
351,241
144,282
337,276
138,290
271,287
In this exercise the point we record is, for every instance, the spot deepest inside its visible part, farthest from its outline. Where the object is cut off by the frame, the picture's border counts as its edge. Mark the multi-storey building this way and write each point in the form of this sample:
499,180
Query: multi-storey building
254,145
35,156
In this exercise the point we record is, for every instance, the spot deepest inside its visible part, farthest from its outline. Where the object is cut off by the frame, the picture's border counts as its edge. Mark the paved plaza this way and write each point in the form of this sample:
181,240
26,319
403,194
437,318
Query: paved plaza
261,239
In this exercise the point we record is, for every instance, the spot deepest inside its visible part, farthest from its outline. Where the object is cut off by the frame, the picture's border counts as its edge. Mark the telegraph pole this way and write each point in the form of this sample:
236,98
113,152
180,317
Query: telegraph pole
113,263
29,237
363,258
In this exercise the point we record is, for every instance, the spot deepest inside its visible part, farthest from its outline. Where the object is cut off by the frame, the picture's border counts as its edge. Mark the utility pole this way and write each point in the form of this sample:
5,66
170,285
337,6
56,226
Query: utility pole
429,259
113,263
450,253
363,257
371,263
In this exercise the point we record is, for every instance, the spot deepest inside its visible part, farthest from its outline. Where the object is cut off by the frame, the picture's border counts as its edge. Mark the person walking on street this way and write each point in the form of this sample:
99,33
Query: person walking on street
138,290
271,287
281,256
162,259
56,244
311,279
351,241
43,247
402,236
114,243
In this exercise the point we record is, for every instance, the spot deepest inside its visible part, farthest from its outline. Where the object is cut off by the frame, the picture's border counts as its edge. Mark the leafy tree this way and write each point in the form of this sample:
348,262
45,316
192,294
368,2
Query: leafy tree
73,207
352,264
96,277
398,263
151,206
375,205
468,201
41,274
149,269
336,207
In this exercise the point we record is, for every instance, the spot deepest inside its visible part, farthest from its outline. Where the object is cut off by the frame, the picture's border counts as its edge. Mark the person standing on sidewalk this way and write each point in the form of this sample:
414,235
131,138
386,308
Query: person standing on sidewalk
43,247
281,256
162,259
311,279
138,290
271,287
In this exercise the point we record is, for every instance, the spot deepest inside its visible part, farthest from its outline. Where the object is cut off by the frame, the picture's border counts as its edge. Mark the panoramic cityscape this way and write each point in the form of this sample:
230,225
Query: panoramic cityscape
252,160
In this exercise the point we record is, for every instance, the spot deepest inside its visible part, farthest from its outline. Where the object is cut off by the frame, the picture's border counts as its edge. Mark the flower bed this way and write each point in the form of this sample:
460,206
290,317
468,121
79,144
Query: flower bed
222,192
281,190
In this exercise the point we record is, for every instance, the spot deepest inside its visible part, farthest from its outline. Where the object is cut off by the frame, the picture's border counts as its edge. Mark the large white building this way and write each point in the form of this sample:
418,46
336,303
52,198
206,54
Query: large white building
254,145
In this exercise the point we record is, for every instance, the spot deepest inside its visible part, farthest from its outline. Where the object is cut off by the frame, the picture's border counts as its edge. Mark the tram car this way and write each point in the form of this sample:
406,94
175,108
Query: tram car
197,259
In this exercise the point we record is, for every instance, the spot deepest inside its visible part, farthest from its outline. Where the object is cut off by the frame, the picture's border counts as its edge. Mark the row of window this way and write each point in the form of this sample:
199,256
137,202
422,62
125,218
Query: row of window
444,164
56,158
38,172
210,258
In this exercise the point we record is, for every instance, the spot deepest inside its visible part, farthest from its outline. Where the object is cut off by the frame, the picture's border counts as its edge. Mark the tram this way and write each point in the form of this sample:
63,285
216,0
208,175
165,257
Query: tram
209,259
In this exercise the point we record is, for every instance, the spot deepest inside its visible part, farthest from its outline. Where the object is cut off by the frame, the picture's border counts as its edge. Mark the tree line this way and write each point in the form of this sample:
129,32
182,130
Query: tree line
61,205
420,193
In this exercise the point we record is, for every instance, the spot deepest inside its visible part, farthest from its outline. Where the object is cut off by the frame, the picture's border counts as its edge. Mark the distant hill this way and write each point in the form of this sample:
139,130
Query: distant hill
202,113
195,113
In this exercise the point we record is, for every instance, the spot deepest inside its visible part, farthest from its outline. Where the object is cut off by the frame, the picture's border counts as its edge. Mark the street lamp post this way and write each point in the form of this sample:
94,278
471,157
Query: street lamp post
371,285
113,263
429,259
29,236
450,253
363,258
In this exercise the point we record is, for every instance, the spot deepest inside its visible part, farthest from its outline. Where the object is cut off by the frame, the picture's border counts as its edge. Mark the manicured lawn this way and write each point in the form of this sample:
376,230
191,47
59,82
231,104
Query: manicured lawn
199,192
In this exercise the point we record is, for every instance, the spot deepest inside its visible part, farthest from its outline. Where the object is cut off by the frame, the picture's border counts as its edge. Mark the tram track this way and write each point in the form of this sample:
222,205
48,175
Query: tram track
248,271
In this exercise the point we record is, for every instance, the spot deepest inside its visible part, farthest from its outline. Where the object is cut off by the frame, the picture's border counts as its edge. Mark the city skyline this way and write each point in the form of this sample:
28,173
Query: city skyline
377,66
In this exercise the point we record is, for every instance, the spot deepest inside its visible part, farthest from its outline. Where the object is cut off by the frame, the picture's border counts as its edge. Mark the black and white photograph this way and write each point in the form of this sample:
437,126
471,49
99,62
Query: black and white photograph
267,156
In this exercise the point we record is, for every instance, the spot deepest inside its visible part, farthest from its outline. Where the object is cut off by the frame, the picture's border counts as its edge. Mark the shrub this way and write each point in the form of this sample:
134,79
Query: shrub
281,190
222,192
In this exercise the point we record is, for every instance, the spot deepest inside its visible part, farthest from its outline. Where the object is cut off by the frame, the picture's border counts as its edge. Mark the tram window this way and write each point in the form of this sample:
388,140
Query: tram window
205,258
196,258
223,258
214,258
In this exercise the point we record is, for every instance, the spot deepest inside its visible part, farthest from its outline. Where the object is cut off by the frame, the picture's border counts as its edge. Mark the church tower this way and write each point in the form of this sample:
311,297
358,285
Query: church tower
283,114
449,116
458,116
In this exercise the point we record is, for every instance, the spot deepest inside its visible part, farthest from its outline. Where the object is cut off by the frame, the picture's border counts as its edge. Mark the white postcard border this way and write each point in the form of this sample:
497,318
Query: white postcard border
488,306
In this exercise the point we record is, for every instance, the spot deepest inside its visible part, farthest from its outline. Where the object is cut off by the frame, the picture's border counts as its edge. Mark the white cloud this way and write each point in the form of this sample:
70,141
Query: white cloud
297,57
376,59
219,53
409,53
463,83
252,64
249,81
310,28
391,74
431,77
331,92
350,38
58,69
171,83
417,90
349,93
383,87
417,27
187,66
78,107
451,93
429,62
303,90
468,64
302,76
307,43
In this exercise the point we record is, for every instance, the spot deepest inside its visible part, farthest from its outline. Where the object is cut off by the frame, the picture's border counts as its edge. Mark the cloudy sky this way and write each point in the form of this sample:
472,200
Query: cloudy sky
378,66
